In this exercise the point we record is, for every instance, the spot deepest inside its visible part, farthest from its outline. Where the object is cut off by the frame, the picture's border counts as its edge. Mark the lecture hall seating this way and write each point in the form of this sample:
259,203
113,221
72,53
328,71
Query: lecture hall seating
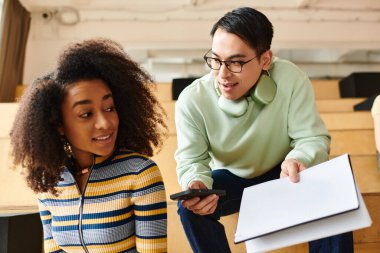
352,132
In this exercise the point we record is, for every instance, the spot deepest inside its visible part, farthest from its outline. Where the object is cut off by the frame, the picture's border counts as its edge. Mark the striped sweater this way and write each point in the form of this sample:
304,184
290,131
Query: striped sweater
122,209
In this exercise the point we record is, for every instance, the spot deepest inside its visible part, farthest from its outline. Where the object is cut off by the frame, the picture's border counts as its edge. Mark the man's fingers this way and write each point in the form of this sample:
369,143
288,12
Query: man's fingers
302,167
206,206
190,202
211,206
291,168
283,174
197,185
293,173
204,202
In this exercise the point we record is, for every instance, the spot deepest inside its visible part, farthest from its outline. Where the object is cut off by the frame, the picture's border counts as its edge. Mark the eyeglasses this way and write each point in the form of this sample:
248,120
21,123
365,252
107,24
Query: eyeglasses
233,66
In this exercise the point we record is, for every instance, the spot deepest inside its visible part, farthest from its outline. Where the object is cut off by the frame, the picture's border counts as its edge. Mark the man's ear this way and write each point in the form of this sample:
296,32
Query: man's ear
266,59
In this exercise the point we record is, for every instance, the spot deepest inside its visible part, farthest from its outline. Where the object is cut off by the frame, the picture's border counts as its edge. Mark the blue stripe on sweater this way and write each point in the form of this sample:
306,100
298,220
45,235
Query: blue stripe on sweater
94,226
151,217
44,213
124,174
126,191
120,159
94,215
45,201
151,206
151,237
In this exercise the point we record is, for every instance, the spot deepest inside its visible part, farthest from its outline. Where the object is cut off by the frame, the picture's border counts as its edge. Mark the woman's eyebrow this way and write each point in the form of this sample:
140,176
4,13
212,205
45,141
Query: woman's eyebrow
88,101
107,96
82,102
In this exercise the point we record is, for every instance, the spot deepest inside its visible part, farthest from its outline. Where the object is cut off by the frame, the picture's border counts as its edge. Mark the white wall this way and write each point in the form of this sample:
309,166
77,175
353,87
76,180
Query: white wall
323,41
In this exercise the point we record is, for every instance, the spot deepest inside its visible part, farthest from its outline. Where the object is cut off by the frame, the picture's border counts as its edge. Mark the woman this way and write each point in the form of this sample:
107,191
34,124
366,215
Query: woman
375,111
84,134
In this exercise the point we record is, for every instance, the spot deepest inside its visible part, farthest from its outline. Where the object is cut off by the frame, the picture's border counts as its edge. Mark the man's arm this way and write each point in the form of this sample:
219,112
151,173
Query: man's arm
310,138
193,159
192,152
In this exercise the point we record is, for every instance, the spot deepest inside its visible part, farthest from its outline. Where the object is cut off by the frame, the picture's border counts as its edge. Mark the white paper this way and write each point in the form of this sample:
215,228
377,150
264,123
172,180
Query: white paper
337,224
324,190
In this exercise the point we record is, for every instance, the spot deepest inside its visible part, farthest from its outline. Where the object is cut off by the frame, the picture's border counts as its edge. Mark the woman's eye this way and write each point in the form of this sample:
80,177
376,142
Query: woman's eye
110,109
85,115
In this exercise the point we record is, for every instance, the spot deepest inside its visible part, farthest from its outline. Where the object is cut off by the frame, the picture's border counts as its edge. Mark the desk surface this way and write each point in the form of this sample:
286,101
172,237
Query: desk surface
7,211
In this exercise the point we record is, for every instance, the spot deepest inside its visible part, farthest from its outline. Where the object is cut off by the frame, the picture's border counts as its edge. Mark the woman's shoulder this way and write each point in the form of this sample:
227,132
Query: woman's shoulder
132,160
66,185
375,110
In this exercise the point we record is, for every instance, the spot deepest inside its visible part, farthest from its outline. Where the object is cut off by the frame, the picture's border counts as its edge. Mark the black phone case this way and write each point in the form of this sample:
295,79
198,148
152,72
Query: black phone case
191,193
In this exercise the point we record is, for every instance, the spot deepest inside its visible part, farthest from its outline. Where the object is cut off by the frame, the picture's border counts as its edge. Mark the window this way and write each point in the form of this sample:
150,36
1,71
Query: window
1,18
1,11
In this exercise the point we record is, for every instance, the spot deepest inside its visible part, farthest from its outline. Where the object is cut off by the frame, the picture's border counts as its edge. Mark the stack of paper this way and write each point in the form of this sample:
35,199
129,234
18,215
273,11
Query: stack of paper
279,213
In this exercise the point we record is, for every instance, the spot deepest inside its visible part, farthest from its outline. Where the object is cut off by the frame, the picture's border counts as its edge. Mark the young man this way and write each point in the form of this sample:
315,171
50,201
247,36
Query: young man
252,119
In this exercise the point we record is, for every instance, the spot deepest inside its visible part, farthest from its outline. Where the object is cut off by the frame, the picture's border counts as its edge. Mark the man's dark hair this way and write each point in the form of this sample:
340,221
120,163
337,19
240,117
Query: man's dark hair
250,25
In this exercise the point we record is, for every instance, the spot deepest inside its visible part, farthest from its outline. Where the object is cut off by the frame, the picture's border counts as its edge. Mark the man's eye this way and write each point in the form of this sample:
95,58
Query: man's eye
235,63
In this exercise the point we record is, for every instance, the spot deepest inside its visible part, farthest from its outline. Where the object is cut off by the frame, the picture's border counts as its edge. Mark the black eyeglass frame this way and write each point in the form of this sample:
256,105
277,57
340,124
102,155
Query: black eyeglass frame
226,63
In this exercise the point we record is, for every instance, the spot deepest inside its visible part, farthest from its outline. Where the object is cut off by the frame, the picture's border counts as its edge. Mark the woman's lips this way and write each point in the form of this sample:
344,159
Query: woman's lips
103,138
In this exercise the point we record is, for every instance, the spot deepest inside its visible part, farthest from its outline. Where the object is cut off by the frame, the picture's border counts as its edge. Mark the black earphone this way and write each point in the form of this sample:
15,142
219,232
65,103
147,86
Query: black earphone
262,94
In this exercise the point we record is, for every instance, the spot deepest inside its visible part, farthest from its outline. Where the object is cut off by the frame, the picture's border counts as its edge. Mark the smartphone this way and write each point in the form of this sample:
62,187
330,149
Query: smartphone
191,193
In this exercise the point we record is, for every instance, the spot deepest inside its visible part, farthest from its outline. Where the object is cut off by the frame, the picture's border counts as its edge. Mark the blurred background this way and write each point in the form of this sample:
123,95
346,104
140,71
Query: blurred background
337,42
326,38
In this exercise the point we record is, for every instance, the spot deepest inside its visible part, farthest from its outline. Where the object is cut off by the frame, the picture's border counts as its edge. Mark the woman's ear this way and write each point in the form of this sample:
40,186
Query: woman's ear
266,59
60,130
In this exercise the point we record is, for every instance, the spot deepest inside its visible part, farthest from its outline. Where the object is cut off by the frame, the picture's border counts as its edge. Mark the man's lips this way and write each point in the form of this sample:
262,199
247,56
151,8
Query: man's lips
227,86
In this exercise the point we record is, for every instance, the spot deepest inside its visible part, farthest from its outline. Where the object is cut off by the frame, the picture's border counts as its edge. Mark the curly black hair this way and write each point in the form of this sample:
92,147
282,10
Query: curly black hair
36,142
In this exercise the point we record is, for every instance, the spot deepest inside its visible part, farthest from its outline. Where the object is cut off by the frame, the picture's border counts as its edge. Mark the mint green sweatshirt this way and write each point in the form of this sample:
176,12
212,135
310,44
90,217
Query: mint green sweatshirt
250,145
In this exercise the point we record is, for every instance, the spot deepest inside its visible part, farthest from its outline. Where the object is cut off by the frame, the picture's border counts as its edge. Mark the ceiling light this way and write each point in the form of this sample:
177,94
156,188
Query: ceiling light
68,16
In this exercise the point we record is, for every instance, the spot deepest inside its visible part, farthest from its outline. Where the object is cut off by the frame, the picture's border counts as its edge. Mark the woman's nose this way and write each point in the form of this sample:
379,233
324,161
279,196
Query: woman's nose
102,122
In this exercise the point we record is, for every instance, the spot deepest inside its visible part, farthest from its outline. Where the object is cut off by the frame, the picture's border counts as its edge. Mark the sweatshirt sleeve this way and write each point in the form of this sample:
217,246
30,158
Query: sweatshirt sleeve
150,209
192,155
50,244
375,110
310,139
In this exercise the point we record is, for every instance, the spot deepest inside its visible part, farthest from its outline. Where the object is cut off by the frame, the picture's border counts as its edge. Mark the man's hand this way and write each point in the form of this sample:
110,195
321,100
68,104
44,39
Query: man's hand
204,206
290,168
